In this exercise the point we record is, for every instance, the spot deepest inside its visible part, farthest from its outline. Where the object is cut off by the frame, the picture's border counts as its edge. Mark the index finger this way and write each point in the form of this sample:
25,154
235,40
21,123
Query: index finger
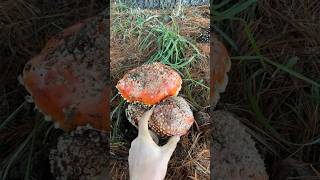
143,124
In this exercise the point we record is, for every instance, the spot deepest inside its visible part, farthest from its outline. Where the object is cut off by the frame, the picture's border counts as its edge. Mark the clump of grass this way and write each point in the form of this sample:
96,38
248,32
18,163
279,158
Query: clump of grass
116,117
171,47
128,22
23,153
192,157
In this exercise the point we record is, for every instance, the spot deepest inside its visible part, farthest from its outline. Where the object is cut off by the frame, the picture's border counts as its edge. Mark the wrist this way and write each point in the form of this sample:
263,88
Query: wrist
144,178
147,176
140,178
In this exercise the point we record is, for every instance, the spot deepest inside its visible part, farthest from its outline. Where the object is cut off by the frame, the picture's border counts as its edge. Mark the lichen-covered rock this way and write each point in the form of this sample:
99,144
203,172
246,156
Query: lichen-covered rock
82,154
233,152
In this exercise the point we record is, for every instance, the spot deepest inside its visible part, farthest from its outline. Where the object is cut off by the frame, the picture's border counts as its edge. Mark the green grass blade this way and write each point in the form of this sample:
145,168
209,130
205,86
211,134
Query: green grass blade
293,73
220,5
226,38
234,10
12,115
279,66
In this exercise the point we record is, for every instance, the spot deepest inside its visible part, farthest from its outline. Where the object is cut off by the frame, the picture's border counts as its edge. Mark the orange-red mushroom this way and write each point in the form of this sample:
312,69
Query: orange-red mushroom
149,84
68,79
220,65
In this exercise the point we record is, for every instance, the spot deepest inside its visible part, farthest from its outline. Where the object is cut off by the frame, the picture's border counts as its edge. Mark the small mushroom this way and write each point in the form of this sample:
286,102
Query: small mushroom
170,117
149,84
68,79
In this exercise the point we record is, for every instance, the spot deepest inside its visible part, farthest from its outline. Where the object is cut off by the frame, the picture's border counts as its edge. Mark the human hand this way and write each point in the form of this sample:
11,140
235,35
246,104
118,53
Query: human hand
147,160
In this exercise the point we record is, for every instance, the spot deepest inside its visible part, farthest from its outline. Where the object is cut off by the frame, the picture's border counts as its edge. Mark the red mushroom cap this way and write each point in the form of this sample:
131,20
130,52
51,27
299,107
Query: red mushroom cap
149,84
68,79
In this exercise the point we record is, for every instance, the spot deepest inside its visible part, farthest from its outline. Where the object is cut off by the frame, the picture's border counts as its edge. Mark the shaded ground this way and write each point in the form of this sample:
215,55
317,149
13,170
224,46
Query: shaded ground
279,97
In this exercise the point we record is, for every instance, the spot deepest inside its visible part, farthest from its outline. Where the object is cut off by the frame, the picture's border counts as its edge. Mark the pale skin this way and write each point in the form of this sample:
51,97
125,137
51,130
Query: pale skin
147,160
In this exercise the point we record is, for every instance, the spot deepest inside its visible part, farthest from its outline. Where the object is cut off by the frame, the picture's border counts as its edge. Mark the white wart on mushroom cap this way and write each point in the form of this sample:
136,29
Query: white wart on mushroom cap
170,117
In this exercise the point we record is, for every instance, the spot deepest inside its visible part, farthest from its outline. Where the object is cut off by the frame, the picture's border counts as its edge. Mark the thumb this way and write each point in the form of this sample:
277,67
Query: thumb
143,124
171,145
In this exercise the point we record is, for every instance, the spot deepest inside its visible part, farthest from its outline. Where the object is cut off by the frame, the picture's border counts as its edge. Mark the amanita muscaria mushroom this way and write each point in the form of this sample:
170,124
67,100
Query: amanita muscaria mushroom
220,65
170,117
149,84
68,80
